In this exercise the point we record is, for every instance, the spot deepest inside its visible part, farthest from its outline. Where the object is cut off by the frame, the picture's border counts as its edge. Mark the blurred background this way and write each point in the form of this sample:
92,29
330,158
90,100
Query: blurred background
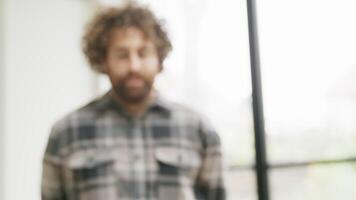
308,62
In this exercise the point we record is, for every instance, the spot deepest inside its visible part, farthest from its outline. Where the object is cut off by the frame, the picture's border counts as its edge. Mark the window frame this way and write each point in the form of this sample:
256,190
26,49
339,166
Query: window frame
262,167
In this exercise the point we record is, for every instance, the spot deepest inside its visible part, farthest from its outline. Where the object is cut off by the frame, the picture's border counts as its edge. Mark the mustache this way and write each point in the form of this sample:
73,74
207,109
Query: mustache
126,78
133,75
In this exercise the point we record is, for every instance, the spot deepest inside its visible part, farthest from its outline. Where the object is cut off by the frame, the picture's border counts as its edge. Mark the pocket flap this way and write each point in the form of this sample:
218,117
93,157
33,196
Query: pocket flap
177,157
168,155
90,159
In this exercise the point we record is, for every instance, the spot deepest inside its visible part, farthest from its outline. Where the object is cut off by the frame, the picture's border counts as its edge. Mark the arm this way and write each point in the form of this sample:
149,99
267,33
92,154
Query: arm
210,183
52,185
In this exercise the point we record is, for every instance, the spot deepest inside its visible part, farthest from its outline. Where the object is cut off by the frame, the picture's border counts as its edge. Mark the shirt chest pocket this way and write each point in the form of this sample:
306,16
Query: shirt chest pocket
178,169
174,161
91,168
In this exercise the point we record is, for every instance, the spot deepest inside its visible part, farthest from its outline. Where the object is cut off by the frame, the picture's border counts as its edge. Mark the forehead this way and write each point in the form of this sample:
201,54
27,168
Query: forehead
129,36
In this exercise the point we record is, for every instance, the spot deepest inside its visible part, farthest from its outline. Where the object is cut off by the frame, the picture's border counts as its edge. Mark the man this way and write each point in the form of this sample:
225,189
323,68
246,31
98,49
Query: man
130,143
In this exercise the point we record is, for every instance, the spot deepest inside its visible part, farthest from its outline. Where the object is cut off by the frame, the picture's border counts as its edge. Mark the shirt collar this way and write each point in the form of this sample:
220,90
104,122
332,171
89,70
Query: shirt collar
159,104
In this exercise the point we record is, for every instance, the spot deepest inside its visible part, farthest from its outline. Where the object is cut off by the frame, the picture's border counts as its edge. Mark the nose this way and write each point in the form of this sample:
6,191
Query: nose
135,62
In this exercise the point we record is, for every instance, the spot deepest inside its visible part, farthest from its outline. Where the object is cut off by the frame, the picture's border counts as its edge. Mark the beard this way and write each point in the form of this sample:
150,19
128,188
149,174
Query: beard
133,94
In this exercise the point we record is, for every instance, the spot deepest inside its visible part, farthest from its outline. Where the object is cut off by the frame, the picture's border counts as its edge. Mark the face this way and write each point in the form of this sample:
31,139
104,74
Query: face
131,64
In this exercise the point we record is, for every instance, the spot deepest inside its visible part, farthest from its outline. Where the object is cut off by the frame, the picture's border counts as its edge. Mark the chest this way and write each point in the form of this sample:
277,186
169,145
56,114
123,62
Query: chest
133,159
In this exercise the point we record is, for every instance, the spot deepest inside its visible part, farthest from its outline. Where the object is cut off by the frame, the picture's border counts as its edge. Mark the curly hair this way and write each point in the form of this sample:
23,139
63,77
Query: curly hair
97,34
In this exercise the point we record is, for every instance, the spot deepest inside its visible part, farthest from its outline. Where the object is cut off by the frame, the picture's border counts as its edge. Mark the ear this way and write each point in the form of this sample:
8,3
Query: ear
160,67
104,67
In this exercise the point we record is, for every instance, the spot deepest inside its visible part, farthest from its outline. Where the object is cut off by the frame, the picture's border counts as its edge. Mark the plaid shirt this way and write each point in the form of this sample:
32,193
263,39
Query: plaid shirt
99,152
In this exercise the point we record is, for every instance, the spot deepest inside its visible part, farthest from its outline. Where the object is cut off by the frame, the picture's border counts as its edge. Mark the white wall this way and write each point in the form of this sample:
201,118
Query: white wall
1,99
45,76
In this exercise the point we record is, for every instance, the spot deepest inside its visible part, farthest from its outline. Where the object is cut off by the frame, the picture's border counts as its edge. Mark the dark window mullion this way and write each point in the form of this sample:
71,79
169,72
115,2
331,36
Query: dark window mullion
260,144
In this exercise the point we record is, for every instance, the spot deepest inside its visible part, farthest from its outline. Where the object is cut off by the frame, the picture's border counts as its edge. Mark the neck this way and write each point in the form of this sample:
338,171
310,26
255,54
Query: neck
135,109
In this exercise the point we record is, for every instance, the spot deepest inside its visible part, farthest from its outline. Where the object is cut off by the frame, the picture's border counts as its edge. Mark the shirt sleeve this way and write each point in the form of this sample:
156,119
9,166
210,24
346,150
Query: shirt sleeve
51,183
210,184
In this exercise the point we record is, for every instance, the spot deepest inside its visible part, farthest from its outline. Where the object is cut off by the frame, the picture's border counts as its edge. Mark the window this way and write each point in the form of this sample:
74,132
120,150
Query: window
308,63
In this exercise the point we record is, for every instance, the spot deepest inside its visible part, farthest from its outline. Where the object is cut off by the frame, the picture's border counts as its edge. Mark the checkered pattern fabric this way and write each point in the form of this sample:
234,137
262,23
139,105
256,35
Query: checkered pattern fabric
99,152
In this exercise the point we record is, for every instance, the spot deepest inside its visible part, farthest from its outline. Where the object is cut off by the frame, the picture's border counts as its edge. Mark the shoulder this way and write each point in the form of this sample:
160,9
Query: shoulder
81,115
66,130
182,112
193,116
196,121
